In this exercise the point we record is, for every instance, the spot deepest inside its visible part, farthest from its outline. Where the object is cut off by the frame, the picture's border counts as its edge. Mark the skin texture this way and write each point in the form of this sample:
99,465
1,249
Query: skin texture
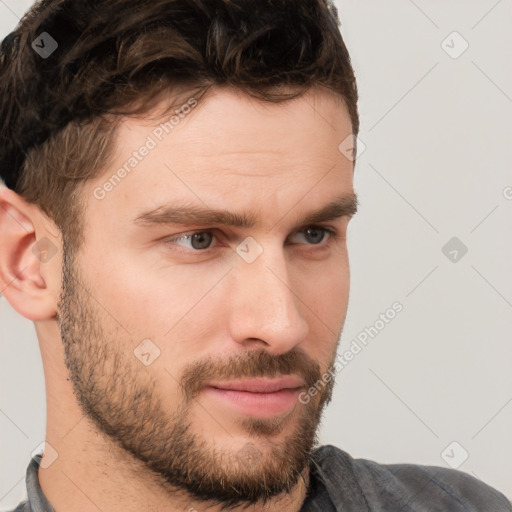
132,437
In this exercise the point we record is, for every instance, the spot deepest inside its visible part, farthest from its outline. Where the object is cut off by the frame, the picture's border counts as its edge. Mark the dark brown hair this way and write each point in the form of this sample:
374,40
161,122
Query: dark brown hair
116,58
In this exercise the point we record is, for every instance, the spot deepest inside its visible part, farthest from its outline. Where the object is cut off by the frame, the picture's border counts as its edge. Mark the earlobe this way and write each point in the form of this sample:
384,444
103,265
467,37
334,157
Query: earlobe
28,258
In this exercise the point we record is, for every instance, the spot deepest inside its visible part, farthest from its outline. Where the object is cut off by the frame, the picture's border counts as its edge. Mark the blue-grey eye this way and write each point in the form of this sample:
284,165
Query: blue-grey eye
314,235
198,241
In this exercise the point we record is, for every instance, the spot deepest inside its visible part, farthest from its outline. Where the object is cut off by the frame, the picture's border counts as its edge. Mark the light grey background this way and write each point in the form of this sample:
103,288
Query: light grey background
437,164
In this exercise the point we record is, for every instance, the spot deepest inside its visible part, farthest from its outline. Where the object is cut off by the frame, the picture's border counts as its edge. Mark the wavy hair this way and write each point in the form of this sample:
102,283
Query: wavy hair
115,58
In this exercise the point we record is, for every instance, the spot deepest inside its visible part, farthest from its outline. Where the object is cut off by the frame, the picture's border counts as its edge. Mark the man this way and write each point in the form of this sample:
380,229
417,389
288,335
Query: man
174,223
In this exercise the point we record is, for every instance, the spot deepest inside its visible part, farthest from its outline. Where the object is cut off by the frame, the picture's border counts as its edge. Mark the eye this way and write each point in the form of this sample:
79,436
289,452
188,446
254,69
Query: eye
200,241
316,234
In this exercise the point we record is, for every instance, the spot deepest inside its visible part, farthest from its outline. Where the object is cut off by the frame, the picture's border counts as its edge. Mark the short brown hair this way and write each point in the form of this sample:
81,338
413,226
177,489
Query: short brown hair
116,57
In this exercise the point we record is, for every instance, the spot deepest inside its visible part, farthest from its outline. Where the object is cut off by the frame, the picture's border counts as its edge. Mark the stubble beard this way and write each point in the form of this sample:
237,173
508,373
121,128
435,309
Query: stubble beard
120,397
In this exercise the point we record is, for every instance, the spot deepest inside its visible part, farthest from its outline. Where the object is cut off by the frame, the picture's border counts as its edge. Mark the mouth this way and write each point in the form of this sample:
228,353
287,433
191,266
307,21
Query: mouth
257,397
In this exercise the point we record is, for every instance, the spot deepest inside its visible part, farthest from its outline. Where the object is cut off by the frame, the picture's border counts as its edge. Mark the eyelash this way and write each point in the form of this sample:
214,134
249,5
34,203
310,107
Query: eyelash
332,236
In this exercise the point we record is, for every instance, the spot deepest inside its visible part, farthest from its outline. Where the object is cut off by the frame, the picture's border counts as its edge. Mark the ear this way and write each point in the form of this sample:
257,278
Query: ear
30,272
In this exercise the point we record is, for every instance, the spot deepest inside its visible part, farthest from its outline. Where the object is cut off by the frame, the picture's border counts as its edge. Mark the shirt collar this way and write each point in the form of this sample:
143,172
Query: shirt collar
36,499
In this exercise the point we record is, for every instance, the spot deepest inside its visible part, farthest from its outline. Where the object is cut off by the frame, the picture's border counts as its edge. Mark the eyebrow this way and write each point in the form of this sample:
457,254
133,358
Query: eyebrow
187,215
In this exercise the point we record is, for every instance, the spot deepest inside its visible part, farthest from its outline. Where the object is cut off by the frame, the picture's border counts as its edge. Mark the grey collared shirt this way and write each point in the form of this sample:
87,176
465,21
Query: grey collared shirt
340,483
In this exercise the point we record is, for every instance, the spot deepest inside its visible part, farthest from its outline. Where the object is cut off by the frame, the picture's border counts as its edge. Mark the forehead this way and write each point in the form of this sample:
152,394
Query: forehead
230,122
227,148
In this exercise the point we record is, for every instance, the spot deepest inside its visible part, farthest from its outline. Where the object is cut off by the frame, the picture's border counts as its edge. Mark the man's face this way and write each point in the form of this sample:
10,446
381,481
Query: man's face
189,342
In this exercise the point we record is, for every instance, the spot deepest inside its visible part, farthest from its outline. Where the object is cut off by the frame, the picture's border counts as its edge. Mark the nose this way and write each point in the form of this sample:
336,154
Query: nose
265,309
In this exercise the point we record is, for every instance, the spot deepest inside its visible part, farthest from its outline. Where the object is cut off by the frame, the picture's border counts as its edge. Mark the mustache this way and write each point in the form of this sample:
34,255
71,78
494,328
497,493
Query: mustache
256,363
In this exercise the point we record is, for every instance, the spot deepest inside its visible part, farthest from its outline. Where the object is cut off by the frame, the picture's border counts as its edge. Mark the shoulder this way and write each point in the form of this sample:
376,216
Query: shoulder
22,507
410,486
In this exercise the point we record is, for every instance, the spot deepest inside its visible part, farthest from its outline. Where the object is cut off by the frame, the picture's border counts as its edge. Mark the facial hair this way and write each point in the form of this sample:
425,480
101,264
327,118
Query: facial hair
121,397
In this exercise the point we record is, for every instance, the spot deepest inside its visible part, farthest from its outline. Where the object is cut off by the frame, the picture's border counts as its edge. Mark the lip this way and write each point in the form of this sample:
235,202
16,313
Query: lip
257,397
260,385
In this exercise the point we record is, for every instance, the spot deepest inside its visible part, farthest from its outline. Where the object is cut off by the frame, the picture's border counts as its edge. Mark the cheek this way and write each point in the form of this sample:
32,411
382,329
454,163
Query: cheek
325,297
147,300
324,286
